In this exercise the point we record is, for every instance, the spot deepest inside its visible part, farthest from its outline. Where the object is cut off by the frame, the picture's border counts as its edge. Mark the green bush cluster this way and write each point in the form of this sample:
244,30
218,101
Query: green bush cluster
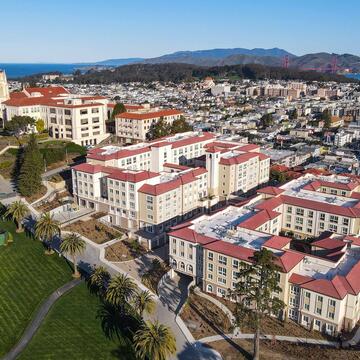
5,164
73,148
53,155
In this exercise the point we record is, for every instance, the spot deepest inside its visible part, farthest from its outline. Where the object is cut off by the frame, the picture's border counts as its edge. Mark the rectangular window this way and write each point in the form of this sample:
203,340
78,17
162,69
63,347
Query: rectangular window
221,271
210,256
222,260
322,216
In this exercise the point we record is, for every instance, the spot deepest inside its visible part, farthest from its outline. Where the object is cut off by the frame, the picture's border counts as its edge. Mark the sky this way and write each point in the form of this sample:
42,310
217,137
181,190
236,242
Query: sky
93,30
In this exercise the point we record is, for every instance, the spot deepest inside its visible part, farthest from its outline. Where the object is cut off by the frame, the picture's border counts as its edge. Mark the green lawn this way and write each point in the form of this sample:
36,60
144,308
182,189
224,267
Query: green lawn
72,331
27,278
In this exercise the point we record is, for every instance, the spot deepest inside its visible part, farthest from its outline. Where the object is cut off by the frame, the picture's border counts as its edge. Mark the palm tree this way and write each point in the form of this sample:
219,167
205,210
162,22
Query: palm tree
144,302
99,280
120,291
45,229
73,245
17,211
154,341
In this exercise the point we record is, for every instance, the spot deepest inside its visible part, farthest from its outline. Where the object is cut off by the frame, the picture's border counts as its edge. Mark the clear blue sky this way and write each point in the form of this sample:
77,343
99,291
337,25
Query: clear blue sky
89,30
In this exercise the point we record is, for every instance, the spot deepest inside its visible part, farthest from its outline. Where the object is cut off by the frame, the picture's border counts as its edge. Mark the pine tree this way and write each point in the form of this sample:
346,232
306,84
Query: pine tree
29,181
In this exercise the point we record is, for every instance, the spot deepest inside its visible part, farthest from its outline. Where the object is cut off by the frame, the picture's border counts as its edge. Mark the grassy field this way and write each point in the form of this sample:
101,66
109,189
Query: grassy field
72,331
27,278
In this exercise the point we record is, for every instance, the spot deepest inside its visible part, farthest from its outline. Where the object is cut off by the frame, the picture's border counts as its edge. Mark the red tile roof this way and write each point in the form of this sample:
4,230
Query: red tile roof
148,115
299,279
259,219
49,91
328,243
192,236
277,242
132,176
235,251
238,159
288,260
334,288
270,190
92,169
319,206
176,166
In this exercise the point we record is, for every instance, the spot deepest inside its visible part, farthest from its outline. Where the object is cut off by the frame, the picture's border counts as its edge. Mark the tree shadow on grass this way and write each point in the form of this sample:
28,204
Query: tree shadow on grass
115,324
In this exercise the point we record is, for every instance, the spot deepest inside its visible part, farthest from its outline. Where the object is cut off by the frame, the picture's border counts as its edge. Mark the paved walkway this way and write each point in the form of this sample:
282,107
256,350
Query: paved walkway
38,319
291,339
137,267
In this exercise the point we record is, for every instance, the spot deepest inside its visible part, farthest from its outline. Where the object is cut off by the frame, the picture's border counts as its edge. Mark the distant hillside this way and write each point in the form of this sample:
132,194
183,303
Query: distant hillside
217,56
119,62
323,62
175,72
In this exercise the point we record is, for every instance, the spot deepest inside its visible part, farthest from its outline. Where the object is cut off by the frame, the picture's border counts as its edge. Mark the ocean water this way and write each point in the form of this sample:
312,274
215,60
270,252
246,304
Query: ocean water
353,76
19,70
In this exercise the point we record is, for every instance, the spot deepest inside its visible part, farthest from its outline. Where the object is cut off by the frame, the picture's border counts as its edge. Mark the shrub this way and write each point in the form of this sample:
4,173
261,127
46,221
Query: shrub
53,155
75,148
5,164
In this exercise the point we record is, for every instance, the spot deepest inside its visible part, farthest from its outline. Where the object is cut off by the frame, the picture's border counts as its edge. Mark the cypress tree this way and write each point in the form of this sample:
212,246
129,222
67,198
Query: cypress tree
32,167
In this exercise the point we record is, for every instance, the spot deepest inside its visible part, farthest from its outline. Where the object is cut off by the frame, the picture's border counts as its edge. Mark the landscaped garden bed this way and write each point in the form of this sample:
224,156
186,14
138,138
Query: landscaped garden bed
273,326
94,230
280,350
124,250
203,318
53,204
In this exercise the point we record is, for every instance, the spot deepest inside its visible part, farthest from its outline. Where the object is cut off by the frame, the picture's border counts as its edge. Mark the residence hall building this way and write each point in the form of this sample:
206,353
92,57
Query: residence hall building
169,191
132,126
320,289
80,119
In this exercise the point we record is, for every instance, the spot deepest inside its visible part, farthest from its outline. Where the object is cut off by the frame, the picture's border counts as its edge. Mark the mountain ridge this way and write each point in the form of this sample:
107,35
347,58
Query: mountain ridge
320,61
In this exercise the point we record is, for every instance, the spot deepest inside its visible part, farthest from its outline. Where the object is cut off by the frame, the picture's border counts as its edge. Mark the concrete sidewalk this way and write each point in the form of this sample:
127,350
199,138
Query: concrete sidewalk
292,339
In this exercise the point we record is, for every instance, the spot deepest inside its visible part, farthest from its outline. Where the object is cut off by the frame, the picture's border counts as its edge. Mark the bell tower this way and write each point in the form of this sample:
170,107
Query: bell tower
4,89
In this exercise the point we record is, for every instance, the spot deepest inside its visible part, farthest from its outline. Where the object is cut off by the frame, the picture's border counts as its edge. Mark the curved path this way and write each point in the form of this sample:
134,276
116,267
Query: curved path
38,319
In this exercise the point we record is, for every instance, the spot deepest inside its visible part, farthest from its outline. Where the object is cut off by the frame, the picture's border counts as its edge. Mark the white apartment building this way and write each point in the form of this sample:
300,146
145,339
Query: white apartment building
80,119
170,191
133,126
321,290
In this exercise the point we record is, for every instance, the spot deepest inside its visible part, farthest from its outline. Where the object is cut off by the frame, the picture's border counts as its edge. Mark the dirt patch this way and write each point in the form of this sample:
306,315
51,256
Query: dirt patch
58,201
203,318
34,197
280,350
272,326
94,230
124,250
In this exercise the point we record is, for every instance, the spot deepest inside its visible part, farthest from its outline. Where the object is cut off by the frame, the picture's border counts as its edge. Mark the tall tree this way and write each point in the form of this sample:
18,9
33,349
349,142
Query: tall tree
120,291
180,125
19,125
45,229
154,341
40,125
118,109
99,280
159,129
254,293
17,211
73,245
326,117
31,169
144,302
